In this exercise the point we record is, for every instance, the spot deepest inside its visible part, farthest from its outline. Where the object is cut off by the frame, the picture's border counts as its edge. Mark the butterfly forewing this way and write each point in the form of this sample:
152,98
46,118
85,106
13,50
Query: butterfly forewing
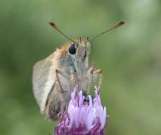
52,84
43,80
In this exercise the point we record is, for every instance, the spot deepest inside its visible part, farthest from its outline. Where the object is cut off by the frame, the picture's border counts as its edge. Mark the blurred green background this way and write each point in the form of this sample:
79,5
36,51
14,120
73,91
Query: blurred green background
129,56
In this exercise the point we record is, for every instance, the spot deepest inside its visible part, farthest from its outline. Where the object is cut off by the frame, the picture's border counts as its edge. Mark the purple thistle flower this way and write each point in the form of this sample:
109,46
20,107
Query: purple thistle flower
84,116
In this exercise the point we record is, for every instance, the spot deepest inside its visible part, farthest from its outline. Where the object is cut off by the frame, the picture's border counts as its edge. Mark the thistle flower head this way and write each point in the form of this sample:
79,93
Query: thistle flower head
84,116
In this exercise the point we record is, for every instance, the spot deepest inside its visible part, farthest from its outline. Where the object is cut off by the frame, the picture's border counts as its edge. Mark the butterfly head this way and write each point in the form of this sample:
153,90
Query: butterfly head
80,49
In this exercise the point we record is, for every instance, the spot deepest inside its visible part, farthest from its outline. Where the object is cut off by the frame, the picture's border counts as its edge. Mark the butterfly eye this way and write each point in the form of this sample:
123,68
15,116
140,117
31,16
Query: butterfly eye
72,49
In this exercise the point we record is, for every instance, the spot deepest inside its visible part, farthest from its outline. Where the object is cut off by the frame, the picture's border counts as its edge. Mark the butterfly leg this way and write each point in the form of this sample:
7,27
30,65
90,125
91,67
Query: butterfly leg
94,77
58,98
58,72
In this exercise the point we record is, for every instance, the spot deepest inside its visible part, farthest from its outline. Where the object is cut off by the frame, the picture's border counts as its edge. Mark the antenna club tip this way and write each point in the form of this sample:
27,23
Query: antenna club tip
121,22
52,23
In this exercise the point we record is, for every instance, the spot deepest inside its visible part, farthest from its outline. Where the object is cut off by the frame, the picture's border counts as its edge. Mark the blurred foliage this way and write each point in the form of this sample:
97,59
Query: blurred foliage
129,56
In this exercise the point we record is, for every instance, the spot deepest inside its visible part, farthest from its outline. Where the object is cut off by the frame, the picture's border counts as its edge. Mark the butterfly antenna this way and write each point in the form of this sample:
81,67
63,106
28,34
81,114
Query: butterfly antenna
53,25
120,23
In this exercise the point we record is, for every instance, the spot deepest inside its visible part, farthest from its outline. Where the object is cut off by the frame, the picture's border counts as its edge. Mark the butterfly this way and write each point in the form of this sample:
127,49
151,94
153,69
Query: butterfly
55,76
